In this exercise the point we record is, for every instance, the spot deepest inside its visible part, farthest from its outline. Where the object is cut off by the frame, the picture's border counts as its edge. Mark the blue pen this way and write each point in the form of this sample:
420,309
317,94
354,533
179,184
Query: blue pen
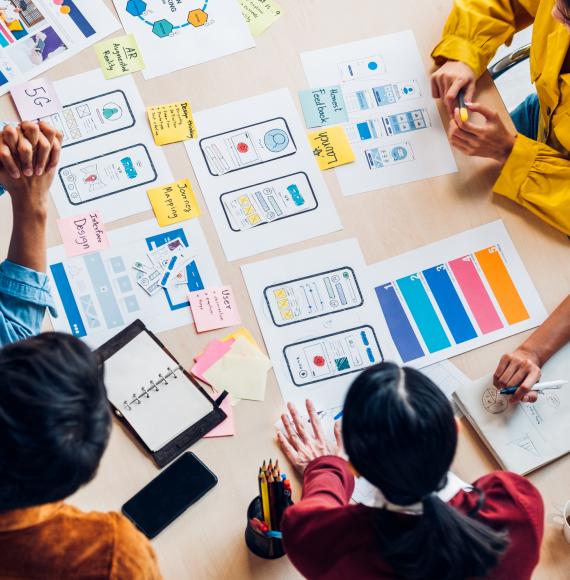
338,416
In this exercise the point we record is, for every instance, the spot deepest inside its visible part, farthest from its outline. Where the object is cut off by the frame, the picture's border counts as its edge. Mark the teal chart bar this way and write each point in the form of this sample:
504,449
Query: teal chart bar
423,313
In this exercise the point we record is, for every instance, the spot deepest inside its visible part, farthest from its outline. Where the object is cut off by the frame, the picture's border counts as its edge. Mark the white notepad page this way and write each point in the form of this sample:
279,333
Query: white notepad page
164,414
522,437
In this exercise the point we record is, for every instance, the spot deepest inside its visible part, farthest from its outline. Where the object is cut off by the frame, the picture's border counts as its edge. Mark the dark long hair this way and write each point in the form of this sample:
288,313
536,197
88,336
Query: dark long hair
400,434
54,419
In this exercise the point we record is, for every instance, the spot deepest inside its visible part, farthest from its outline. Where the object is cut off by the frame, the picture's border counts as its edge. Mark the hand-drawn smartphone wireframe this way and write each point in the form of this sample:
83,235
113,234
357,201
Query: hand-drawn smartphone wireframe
92,118
269,201
361,68
107,174
406,122
313,296
389,155
327,357
247,146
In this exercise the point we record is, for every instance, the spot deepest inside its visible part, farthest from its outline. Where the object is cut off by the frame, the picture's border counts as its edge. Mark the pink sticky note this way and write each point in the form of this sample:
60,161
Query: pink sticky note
214,308
227,428
35,99
213,353
83,233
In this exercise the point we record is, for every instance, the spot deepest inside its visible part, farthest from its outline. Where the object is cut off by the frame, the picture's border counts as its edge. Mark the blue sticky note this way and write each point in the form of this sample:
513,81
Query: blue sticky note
323,106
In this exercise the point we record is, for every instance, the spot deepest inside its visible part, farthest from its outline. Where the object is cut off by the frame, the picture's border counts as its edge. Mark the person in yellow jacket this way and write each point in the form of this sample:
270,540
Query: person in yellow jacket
535,160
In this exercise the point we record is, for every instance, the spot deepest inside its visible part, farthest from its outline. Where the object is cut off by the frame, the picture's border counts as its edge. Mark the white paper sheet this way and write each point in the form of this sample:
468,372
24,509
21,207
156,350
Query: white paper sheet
455,295
43,36
97,294
109,158
319,320
177,34
522,437
447,377
259,177
394,124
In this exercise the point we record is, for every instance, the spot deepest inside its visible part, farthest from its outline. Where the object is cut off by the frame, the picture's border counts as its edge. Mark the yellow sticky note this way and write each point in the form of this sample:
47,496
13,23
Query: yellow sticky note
174,202
244,333
260,14
331,147
172,123
119,56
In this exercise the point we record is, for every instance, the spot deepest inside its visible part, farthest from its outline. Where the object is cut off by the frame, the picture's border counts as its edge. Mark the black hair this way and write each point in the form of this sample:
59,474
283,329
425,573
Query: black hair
54,419
400,434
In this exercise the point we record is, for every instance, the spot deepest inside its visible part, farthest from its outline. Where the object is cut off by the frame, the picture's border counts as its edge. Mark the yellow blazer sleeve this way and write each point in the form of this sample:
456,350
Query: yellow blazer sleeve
476,28
538,178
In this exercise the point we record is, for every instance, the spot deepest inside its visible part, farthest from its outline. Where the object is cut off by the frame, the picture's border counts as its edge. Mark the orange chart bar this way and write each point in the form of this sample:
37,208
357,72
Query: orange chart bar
502,285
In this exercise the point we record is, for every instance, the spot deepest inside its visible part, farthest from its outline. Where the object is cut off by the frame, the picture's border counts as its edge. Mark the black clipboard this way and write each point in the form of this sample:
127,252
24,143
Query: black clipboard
191,435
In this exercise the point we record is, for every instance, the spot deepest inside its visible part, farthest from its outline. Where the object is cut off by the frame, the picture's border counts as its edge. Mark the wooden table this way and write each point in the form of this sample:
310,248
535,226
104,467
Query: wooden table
207,541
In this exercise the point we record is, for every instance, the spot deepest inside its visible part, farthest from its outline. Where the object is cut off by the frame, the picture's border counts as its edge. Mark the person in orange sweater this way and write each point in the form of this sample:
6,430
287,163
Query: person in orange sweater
400,434
54,415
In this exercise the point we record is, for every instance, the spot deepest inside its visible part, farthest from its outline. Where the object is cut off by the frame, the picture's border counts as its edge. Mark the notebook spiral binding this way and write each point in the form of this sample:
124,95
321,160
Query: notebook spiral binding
154,386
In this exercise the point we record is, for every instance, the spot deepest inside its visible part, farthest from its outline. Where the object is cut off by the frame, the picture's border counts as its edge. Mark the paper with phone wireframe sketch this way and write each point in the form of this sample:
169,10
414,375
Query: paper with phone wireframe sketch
258,175
318,317
109,159
394,125
522,436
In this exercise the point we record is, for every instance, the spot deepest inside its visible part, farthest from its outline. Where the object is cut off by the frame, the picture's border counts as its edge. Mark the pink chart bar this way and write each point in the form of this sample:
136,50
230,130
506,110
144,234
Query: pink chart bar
476,295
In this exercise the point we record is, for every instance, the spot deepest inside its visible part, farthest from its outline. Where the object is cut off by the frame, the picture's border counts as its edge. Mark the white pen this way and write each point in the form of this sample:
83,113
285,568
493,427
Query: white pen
538,387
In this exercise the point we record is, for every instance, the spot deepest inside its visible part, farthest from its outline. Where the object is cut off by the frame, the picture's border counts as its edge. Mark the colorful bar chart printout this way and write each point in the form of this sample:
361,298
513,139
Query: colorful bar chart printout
455,295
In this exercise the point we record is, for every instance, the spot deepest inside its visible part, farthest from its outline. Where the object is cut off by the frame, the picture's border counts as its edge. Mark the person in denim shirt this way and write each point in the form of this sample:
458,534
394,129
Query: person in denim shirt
29,154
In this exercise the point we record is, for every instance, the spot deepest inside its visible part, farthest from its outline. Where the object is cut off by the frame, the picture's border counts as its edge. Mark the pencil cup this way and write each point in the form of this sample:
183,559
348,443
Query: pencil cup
258,543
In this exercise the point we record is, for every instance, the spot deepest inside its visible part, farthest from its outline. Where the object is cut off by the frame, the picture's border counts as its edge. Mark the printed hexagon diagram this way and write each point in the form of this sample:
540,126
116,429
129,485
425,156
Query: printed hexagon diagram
162,28
197,17
136,7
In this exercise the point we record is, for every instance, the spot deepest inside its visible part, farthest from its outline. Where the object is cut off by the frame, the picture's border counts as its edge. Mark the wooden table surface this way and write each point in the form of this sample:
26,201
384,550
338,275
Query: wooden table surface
207,541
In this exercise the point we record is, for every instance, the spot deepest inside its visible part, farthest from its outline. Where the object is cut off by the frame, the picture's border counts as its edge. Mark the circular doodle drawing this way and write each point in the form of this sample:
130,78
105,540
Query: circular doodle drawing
276,140
494,402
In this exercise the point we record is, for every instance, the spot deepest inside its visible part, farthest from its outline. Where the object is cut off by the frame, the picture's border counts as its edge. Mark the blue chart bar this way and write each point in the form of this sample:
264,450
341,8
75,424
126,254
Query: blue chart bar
104,290
398,324
67,299
80,21
423,312
449,303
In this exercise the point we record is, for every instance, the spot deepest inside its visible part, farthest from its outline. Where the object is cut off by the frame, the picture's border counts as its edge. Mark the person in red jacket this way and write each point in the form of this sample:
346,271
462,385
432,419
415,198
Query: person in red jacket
400,434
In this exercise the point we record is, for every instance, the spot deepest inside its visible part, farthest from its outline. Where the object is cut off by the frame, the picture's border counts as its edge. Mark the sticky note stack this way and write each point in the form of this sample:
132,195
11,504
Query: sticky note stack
235,364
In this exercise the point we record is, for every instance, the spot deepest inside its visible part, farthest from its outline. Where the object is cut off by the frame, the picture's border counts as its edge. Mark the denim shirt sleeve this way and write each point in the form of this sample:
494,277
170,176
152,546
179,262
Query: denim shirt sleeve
24,297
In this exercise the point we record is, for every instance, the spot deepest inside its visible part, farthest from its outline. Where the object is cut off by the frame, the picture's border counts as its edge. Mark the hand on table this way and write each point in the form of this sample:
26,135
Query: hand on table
449,79
301,447
492,139
521,367
29,155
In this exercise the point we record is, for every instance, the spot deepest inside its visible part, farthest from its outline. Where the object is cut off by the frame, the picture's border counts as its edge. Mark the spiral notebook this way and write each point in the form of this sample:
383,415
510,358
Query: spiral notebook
151,393
522,437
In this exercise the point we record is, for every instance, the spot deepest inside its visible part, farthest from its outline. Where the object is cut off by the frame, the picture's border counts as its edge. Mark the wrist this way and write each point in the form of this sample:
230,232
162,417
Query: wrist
532,353
507,148
36,213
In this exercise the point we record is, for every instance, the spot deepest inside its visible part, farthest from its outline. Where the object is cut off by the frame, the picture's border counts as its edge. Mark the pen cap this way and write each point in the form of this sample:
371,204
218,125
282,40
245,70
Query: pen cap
257,542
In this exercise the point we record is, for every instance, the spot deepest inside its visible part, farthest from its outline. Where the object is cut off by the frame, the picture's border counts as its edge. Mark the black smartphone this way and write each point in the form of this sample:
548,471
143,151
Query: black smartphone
169,494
